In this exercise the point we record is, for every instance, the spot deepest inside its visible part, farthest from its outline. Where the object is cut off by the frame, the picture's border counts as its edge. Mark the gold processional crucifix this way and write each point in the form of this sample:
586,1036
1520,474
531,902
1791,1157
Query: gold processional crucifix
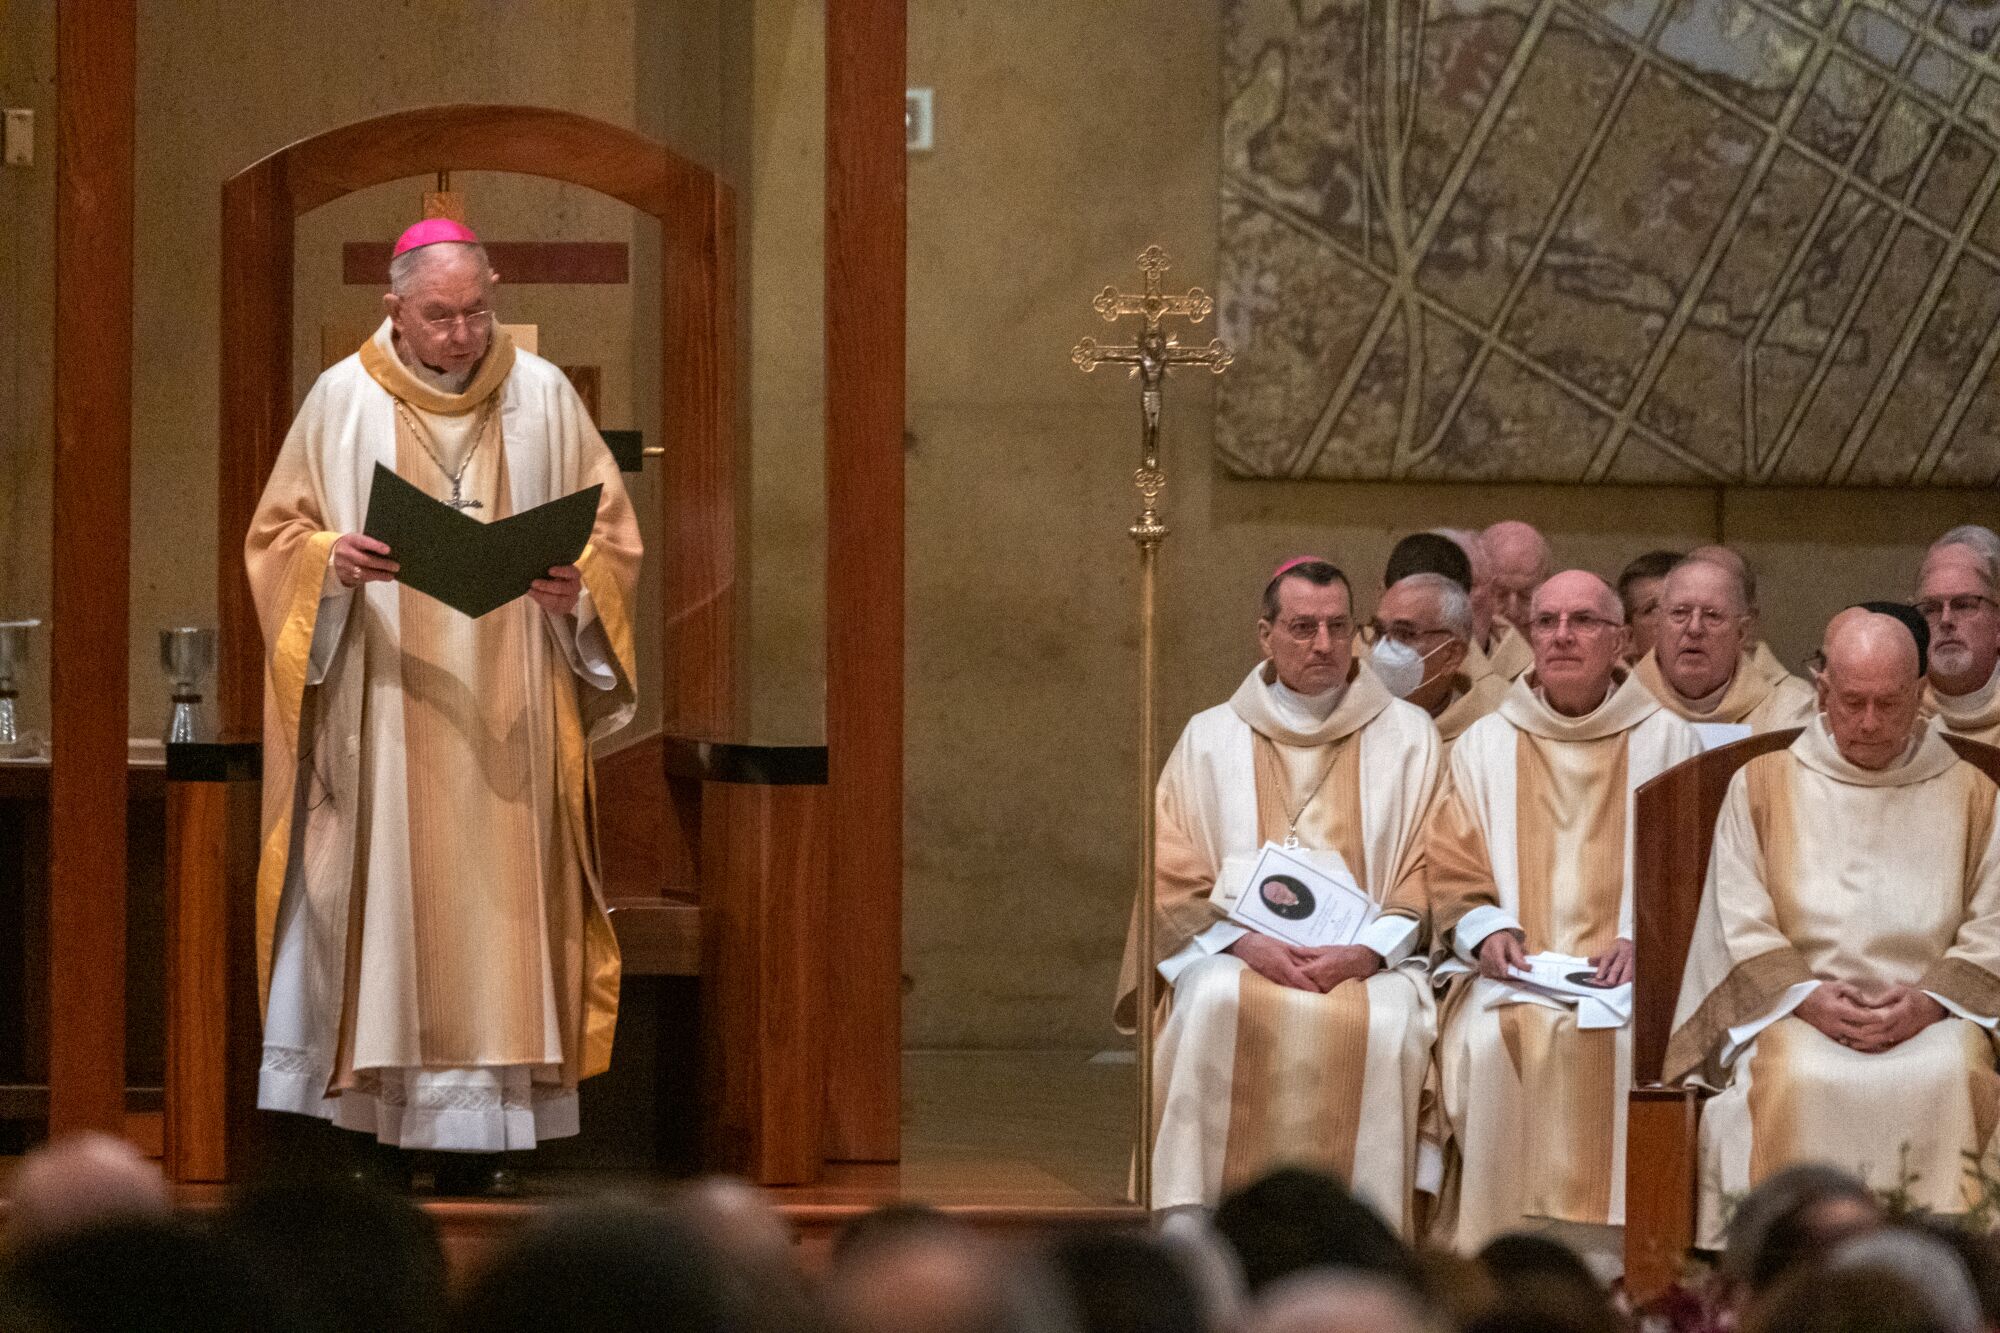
1151,354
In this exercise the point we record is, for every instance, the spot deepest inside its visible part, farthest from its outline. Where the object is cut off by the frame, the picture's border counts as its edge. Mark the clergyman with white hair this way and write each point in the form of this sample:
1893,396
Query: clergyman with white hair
1423,637
1958,592
428,766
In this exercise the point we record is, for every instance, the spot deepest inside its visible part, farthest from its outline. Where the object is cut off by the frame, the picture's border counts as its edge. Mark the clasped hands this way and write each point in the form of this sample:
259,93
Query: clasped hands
1503,951
359,559
1306,969
1869,1019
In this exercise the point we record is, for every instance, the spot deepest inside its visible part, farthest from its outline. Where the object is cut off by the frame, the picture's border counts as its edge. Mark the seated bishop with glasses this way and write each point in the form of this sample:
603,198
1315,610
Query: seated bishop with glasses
1272,1052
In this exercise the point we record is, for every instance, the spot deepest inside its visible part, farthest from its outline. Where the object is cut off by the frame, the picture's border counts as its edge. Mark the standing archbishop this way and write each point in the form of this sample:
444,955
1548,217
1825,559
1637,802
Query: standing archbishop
437,967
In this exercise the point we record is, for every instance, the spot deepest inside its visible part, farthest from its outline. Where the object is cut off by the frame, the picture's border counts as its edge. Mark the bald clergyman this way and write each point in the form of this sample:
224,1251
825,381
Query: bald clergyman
1701,667
1843,981
1531,852
1518,560
438,963
1958,593
1270,1054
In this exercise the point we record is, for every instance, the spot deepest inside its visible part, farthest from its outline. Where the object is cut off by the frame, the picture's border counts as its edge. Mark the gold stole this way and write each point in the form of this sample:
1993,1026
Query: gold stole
1569,842
1301,1057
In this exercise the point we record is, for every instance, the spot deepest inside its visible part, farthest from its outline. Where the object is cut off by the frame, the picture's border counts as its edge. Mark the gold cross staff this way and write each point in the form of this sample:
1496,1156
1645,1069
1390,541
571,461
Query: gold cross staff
1154,351
1150,355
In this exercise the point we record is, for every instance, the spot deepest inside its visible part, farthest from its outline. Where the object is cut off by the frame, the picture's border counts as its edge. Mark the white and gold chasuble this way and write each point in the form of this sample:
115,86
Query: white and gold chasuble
1753,697
1533,833
437,965
1824,870
1250,1074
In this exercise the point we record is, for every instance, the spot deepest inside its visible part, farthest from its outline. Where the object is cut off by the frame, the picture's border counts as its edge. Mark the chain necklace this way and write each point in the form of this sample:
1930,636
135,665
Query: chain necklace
1292,823
422,437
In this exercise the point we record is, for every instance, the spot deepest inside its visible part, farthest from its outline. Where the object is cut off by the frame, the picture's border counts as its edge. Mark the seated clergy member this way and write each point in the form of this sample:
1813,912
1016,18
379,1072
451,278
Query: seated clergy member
1844,976
1957,593
1519,560
1272,1054
1639,586
1700,668
1418,553
1530,851
1761,657
1486,630
1423,630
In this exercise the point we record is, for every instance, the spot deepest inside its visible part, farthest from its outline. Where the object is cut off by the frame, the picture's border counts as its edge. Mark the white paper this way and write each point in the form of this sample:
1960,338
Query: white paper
1716,734
1303,896
1562,979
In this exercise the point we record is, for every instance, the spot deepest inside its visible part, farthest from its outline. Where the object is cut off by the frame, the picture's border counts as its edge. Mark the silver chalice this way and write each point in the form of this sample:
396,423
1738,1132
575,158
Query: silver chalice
15,638
187,654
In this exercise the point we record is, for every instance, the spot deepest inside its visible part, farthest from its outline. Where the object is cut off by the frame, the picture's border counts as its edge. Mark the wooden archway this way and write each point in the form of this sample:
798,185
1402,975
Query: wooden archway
212,813
696,211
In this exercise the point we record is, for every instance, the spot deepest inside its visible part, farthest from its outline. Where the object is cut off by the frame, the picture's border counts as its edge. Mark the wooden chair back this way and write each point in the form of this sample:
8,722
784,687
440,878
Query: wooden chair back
1673,824
1673,828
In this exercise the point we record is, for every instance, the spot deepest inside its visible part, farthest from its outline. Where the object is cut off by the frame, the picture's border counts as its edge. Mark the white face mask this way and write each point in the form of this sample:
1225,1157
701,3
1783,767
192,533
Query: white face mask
1399,666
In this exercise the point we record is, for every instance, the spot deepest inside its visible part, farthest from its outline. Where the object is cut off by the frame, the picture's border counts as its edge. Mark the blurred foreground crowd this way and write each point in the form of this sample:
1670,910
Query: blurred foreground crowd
92,1244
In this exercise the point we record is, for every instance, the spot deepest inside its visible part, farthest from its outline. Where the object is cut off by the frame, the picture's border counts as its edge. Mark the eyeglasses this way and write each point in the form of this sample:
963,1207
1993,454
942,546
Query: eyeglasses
450,323
1580,622
1961,606
1305,629
1405,633
1707,617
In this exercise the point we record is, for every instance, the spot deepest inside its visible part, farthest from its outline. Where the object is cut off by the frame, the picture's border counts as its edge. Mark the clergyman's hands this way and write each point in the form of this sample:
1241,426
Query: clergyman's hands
1499,953
1272,961
1894,1016
1328,966
557,593
357,560
1836,1010
1614,965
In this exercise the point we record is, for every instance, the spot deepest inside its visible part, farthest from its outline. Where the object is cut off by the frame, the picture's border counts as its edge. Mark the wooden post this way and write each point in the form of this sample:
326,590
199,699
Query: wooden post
96,61
865,221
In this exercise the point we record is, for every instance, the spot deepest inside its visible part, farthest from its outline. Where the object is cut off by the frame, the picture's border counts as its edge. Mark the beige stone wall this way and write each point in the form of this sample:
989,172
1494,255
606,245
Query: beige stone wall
1069,136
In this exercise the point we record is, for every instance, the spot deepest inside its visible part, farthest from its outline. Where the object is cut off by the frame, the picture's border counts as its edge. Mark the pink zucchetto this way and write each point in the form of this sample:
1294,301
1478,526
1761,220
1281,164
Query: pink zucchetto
1294,563
434,231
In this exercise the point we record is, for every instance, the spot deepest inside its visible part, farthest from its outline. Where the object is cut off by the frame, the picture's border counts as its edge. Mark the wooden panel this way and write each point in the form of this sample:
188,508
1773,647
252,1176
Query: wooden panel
366,263
256,386
1674,824
197,980
1660,1153
646,851
701,470
1983,757
657,937
764,1002
865,222
95,81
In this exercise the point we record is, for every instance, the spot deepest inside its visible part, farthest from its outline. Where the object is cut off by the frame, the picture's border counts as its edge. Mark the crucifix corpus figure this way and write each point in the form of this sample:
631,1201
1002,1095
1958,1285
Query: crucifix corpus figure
437,967
1153,351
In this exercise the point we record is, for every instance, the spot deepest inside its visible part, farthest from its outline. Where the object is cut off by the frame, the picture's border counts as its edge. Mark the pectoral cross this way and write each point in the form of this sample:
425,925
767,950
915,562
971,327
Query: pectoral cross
459,504
1151,354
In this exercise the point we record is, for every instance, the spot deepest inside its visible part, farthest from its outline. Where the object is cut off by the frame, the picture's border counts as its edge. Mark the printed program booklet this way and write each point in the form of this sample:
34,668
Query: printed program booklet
1303,896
